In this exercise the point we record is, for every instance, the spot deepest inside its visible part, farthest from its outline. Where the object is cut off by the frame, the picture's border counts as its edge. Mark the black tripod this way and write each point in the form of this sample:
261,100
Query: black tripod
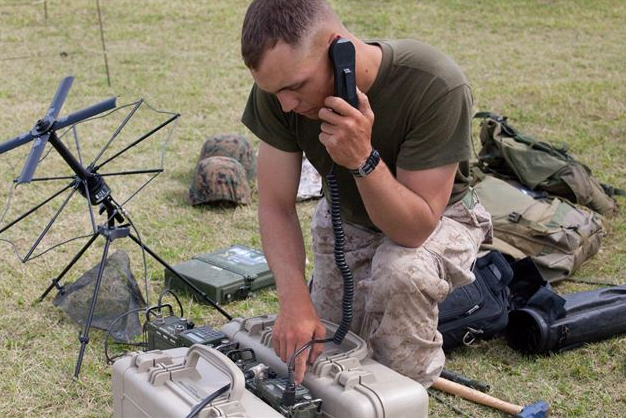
93,187
112,231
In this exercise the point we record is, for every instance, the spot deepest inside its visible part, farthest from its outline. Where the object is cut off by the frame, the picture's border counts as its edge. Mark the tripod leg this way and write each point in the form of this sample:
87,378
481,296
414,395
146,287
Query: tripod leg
55,282
84,337
182,278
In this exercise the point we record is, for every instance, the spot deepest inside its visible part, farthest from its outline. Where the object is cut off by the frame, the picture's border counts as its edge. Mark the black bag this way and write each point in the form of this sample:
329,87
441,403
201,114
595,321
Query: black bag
542,321
478,310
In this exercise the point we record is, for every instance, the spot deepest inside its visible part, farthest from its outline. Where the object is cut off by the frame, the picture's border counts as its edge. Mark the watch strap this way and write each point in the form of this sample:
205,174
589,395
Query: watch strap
369,165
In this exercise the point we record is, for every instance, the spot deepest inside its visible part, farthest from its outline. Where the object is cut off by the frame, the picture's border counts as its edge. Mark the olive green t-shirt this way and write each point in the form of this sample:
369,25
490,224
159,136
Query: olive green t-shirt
422,108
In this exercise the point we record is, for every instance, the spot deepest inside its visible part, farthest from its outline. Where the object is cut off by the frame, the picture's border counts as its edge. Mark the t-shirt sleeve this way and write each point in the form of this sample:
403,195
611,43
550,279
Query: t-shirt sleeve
265,118
441,134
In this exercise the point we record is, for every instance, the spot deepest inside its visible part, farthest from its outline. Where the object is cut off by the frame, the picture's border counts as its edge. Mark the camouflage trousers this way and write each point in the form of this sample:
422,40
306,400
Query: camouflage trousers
397,289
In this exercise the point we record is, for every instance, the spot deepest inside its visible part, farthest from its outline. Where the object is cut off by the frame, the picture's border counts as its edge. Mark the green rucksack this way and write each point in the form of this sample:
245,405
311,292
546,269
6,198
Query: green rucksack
558,235
540,166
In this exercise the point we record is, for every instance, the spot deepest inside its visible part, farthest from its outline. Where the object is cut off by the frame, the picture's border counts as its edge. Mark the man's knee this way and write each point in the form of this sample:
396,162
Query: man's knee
409,271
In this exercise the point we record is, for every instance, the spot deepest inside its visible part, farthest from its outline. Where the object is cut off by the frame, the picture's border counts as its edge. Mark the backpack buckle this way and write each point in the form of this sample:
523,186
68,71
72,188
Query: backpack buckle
515,217
470,335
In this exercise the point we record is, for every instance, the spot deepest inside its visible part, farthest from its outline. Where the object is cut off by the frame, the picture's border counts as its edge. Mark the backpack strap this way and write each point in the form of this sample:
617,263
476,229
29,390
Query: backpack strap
599,282
500,119
558,152
613,191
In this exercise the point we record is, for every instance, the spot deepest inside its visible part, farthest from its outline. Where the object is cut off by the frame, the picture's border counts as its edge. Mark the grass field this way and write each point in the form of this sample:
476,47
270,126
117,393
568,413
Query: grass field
556,68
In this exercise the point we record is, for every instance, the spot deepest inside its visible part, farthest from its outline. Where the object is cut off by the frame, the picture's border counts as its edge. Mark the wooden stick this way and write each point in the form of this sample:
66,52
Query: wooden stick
476,396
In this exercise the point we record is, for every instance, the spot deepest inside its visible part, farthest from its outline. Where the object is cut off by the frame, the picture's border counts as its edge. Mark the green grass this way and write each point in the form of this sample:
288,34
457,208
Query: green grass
554,67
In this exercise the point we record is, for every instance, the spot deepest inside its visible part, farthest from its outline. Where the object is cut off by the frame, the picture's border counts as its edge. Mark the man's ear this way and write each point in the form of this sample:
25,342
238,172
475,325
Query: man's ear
333,36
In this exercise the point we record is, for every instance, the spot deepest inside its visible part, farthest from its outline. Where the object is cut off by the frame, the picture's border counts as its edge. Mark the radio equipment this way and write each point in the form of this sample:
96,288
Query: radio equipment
172,331
343,383
225,275
349,383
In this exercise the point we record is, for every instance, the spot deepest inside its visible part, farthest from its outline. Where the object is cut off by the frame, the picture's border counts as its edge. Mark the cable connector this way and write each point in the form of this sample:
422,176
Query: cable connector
289,395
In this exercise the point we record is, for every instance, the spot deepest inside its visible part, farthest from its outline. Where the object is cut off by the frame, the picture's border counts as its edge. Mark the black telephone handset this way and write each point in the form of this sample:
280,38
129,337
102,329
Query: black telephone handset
342,55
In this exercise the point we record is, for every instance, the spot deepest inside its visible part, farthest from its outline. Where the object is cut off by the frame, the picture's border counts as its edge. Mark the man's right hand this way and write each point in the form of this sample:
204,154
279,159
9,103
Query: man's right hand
297,323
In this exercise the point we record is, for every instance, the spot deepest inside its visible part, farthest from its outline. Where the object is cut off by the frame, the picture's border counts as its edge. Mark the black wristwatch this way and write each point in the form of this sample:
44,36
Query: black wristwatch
369,165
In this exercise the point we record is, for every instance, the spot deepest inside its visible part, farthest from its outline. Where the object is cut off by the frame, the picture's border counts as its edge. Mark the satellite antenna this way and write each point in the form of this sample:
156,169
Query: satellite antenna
45,129
91,185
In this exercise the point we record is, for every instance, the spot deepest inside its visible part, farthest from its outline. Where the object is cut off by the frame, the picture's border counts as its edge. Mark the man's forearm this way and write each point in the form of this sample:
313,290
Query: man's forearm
297,322
402,215
283,245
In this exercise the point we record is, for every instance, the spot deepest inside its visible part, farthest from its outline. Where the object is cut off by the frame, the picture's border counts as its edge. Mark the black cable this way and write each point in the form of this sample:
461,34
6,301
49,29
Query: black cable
145,261
196,409
292,361
289,394
347,310
143,251
342,56
53,247
184,280
166,291
340,260
147,310
157,307
143,344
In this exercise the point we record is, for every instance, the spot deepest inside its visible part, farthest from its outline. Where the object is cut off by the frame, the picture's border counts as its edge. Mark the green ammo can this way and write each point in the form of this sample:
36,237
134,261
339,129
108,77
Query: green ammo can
225,275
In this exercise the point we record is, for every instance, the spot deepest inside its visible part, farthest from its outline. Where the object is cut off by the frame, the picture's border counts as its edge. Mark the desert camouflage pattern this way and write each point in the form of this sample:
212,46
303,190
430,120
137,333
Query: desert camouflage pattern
219,179
397,289
233,146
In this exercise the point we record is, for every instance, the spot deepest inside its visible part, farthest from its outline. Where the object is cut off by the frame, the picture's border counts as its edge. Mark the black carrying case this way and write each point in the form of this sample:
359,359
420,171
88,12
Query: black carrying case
478,310
542,321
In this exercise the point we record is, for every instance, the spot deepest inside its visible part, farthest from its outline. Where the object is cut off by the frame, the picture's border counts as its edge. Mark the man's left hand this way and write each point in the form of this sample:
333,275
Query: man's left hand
346,132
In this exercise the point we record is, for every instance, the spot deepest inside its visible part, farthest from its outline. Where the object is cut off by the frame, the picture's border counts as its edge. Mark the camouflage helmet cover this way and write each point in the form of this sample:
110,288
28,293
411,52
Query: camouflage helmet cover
233,146
219,179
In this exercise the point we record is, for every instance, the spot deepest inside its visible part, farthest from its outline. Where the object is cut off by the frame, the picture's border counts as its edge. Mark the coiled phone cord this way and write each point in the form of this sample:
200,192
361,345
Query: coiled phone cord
347,310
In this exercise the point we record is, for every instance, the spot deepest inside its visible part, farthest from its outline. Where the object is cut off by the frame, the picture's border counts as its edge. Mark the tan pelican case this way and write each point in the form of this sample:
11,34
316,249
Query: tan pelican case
170,383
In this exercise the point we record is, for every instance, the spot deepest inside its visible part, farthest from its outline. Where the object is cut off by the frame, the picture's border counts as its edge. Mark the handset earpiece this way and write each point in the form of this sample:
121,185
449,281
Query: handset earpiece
342,54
